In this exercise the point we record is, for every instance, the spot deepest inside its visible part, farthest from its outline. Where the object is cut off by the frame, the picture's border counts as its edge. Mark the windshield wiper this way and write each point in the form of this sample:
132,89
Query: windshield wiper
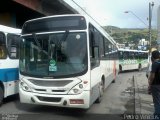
65,35
39,45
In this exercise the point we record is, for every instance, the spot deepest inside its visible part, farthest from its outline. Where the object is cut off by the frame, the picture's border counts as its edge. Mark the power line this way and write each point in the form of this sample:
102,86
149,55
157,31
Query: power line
93,19
136,17
86,13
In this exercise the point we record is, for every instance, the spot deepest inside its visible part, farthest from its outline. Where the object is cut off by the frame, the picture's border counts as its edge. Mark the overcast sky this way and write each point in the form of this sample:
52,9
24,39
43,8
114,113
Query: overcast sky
111,12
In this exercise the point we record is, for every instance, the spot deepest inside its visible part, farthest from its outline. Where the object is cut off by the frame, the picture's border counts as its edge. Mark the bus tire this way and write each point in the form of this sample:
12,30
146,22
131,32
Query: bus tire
1,95
114,81
120,69
139,67
101,91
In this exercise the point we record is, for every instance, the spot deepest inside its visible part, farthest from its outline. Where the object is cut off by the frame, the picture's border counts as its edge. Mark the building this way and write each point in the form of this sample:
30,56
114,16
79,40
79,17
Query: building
143,42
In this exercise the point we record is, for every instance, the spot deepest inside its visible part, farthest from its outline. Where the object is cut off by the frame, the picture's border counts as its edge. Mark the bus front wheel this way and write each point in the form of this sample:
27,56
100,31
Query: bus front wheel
101,91
1,96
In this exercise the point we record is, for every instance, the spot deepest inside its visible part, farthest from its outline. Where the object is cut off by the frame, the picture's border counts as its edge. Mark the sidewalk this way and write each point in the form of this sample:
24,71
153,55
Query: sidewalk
143,101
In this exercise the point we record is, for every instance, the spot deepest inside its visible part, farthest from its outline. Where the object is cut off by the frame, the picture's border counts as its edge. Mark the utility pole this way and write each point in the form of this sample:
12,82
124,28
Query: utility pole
150,25
158,27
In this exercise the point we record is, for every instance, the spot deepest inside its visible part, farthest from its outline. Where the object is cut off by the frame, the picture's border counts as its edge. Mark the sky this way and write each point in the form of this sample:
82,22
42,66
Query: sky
112,12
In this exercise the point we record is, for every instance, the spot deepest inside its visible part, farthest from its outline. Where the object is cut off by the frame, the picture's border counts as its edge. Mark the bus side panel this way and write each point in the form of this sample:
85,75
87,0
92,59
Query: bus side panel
109,76
144,63
95,81
9,77
115,69
110,70
11,88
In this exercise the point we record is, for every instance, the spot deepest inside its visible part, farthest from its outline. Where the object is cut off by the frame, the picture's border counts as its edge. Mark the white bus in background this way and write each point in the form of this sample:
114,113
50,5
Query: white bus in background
9,55
65,60
132,59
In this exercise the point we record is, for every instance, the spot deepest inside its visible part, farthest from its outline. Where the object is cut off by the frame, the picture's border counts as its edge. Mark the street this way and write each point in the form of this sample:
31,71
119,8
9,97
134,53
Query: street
118,99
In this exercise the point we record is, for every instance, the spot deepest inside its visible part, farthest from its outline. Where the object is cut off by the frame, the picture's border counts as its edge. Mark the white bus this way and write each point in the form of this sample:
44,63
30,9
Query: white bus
9,54
132,59
65,60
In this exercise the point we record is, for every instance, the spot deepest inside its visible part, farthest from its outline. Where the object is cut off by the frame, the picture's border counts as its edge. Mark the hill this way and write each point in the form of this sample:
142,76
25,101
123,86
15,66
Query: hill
131,35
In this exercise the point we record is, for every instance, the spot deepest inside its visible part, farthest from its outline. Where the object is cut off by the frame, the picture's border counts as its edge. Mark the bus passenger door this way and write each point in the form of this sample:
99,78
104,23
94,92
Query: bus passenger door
95,74
95,65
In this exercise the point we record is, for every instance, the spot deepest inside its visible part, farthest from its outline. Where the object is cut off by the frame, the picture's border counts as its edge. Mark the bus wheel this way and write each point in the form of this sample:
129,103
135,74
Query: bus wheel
1,96
120,69
139,67
114,81
101,91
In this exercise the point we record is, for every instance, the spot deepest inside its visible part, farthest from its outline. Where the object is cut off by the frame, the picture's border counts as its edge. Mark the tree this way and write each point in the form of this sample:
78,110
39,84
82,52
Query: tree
125,35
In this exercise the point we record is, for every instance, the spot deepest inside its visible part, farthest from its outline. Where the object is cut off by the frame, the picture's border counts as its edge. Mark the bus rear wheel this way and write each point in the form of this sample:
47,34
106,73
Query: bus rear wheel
120,69
1,96
139,67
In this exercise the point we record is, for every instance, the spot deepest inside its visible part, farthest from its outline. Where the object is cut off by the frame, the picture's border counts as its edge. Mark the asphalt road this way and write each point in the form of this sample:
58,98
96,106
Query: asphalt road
117,100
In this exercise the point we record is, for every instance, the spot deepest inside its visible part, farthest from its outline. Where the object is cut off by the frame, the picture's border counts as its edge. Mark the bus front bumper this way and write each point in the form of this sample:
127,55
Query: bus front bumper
74,101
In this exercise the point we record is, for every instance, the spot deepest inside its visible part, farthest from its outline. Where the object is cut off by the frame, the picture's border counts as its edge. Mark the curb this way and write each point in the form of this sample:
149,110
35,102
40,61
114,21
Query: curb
137,100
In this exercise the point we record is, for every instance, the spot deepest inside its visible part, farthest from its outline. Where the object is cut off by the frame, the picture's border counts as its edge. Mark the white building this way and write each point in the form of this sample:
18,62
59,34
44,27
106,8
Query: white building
143,42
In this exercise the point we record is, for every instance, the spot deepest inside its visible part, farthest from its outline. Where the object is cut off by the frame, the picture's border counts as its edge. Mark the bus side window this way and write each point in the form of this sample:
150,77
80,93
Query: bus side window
3,54
131,55
94,47
125,55
120,54
13,45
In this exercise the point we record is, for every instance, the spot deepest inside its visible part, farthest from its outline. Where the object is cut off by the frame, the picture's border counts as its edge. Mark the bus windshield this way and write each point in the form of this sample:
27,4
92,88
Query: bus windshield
54,54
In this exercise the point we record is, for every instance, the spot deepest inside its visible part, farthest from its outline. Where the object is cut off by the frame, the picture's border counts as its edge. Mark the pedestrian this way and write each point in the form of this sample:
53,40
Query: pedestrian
154,81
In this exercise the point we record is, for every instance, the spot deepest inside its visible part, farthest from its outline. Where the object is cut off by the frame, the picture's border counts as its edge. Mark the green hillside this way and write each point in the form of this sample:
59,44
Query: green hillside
126,35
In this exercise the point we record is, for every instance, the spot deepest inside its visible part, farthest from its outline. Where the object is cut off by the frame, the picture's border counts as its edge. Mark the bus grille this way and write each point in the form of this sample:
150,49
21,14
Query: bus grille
49,99
47,83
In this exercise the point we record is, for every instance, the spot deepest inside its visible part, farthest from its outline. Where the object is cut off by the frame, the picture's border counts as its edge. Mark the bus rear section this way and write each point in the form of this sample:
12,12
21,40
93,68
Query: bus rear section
9,54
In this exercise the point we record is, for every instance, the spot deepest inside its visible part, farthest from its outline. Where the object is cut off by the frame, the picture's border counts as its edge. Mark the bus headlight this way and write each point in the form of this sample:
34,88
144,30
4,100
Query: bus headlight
80,86
77,89
24,86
